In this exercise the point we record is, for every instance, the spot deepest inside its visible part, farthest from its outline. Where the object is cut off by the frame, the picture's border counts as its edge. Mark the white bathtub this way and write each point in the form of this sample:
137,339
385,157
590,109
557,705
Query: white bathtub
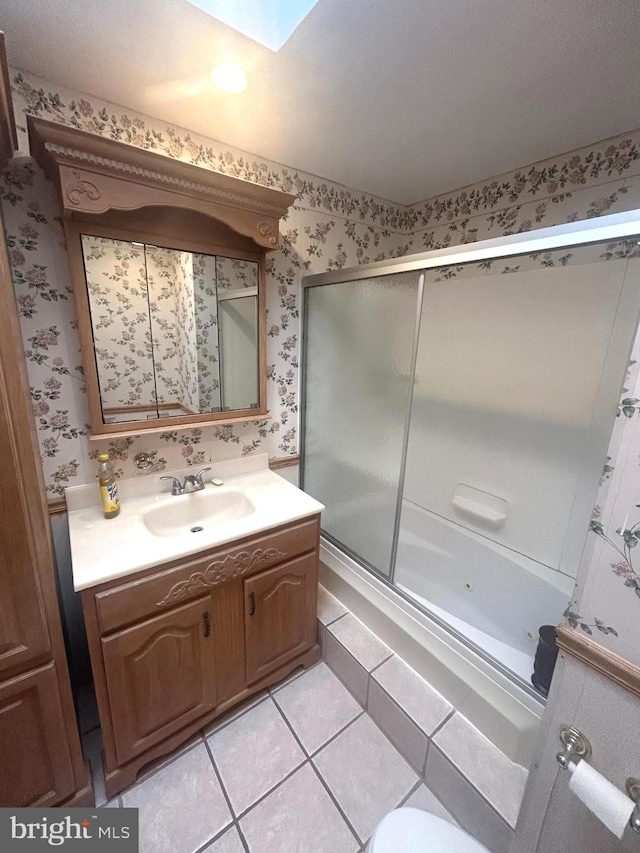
490,595
490,621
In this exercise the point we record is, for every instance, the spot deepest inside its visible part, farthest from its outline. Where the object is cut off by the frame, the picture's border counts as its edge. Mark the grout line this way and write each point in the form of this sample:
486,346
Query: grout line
335,802
344,682
290,727
243,840
289,680
333,621
264,796
338,733
349,652
407,716
442,724
378,665
355,659
475,790
240,714
411,792
220,782
215,837
426,758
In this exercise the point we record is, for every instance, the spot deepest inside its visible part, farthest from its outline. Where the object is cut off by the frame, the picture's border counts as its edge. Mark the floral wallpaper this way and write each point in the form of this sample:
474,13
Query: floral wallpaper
329,227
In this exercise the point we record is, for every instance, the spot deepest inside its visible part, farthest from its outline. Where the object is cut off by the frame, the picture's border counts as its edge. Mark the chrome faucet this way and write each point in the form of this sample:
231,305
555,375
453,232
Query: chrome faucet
194,482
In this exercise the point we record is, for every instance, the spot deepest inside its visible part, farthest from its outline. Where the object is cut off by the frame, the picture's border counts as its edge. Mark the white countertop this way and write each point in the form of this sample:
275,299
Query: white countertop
103,549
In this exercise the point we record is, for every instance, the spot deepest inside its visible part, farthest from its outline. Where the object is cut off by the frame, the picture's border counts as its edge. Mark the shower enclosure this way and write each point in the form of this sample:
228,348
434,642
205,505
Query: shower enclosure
457,407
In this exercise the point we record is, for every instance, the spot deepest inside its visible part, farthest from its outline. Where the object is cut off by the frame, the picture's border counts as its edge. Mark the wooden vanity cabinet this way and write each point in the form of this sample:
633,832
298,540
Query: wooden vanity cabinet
177,645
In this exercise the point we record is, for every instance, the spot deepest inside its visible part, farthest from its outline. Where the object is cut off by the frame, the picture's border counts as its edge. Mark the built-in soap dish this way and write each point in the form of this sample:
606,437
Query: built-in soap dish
480,506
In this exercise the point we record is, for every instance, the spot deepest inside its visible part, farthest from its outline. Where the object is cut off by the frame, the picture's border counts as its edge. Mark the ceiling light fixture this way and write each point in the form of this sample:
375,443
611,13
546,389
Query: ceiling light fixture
229,77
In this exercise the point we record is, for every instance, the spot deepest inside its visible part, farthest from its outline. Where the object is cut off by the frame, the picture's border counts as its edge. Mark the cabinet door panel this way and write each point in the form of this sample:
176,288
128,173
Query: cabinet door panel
280,615
34,754
160,676
23,632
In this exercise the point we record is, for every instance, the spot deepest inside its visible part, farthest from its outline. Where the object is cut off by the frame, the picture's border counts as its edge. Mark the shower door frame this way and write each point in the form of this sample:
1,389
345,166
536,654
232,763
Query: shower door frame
619,226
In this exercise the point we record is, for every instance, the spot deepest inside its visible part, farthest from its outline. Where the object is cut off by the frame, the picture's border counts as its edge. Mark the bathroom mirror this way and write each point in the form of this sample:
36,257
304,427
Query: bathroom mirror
175,332
167,261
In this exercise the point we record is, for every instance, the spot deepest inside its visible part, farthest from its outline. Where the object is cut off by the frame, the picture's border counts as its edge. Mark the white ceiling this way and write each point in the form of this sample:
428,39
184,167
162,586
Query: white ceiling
400,98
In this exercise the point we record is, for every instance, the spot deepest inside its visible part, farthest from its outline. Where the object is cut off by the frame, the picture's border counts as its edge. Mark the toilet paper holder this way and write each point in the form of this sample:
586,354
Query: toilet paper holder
576,747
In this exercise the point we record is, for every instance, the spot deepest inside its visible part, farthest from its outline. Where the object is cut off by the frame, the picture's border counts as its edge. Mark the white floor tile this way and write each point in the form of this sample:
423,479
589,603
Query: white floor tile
329,608
366,774
254,753
317,705
181,806
496,777
298,817
227,843
414,695
366,648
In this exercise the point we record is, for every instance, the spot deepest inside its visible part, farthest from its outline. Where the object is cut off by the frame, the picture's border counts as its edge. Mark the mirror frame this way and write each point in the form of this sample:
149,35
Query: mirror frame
111,189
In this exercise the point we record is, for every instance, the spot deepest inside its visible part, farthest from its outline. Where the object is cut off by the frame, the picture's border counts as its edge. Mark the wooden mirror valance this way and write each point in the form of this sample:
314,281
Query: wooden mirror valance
168,268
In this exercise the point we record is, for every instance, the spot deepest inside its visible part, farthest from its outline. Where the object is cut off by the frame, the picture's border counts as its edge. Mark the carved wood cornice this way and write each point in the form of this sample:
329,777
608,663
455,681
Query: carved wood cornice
221,571
96,174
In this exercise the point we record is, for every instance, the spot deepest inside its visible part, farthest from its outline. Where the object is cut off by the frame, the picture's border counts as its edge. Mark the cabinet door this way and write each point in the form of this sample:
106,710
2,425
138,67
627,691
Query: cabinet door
23,632
36,768
160,676
280,615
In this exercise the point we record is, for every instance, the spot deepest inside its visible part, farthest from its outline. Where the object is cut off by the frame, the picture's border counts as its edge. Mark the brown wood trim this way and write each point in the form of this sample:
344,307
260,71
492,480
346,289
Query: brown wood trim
594,655
57,507
8,135
284,461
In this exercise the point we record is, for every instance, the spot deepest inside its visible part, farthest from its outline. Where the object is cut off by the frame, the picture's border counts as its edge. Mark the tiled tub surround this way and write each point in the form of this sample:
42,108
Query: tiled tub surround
306,768
476,782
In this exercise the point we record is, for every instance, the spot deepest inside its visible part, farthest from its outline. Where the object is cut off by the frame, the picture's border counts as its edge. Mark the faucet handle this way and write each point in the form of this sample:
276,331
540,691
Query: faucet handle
199,475
176,487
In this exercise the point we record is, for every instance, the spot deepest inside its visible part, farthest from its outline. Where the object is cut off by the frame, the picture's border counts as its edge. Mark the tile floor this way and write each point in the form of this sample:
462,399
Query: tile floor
300,768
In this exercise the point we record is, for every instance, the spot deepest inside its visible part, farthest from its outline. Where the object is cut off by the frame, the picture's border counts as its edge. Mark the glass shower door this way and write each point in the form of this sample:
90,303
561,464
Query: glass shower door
359,353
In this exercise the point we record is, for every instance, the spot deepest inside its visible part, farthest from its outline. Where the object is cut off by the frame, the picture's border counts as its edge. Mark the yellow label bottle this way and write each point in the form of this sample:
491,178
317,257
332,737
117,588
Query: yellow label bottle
108,487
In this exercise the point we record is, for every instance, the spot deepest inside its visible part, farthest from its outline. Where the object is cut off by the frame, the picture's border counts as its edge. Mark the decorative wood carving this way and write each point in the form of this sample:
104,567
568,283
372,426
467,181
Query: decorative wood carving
76,189
98,174
219,571
8,136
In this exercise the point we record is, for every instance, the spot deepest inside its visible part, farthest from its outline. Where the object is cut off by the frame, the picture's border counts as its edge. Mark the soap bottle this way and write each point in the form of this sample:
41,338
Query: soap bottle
108,487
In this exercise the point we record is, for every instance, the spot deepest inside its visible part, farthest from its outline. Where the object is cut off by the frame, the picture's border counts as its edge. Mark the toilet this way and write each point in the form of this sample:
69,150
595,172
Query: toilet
410,830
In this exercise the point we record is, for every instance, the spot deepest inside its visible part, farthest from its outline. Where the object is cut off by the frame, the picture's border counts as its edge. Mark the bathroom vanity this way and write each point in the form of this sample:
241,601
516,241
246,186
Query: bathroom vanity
183,625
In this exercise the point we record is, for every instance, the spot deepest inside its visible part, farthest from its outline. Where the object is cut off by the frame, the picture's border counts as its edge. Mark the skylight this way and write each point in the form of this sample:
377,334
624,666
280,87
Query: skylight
269,22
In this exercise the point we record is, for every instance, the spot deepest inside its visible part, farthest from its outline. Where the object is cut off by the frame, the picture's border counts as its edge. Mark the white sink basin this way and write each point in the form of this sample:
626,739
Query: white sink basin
196,512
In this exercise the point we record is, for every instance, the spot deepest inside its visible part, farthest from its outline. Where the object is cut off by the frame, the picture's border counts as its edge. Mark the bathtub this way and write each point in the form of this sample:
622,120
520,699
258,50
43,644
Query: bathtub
488,594
451,614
